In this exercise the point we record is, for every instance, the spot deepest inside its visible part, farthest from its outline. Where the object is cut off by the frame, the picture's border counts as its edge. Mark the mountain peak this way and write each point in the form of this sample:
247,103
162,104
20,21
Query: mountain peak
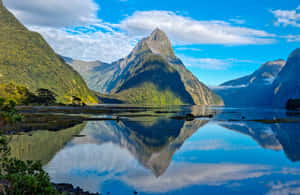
159,43
158,35
279,62
295,53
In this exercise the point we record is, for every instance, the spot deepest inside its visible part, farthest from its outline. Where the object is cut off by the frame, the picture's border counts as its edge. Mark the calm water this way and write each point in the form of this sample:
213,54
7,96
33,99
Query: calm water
229,154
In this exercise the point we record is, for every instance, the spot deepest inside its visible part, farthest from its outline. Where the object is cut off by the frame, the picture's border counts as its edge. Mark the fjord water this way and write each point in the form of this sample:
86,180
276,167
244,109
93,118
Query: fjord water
228,154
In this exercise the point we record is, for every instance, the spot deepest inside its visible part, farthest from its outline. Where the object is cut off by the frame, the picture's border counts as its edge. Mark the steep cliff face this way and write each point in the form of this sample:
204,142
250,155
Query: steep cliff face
155,71
26,59
287,84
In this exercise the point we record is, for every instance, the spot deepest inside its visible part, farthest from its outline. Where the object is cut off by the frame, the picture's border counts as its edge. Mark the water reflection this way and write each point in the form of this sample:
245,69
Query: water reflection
42,145
152,141
160,155
280,136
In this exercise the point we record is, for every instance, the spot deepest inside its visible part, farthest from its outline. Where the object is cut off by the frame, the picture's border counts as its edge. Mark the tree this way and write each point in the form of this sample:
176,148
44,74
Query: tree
45,97
76,101
8,112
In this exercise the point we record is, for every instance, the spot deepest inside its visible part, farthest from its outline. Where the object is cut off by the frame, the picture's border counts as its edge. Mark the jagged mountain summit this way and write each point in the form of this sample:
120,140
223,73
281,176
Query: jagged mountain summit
254,89
150,74
26,59
287,84
159,44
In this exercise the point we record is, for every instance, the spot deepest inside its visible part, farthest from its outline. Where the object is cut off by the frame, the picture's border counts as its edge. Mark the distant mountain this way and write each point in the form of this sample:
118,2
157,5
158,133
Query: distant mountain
252,90
150,74
264,75
26,59
287,84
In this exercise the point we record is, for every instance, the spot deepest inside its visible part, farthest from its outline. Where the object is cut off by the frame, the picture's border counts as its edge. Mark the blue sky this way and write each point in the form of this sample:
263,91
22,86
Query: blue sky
217,40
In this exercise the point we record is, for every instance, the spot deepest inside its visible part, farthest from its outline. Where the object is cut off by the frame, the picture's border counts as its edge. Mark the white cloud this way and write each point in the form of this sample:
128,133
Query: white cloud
182,175
55,13
73,29
212,63
279,188
188,49
185,30
106,46
237,21
228,87
79,164
287,17
292,38
213,144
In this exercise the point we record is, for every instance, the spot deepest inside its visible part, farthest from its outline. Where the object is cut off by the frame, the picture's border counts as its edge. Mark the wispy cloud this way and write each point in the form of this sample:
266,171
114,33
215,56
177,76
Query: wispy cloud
213,63
279,188
292,38
213,144
227,87
99,44
188,49
287,17
237,21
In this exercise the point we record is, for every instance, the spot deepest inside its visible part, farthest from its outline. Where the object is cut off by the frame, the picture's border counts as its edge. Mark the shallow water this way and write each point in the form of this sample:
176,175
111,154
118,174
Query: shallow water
227,154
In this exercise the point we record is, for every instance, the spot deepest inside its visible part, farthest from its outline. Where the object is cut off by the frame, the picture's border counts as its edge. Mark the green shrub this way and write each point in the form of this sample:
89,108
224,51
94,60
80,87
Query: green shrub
44,97
23,177
26,177
8,111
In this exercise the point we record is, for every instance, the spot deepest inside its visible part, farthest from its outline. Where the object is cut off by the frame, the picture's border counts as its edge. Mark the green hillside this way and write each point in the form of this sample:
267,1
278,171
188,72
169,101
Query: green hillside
151,80
27,60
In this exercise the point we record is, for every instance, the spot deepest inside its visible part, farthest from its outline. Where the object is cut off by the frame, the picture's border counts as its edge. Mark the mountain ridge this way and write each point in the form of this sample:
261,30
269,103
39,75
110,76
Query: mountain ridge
267,70
112,76
272,85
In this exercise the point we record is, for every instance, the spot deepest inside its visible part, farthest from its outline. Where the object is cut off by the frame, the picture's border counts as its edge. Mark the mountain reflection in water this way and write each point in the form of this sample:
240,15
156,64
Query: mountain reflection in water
160,155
